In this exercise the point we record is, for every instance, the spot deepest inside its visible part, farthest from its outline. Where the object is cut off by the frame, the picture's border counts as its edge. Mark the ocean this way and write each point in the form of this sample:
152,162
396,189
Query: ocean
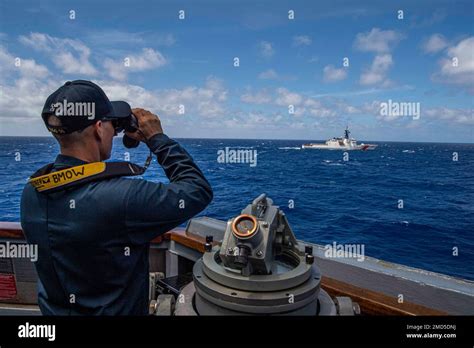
326,199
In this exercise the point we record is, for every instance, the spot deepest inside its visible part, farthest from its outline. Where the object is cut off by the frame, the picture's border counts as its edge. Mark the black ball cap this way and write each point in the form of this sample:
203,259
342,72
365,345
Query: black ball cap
80,103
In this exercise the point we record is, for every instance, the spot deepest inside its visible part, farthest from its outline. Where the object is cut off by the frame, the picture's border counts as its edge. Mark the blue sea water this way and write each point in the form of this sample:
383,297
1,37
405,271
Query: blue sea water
353,201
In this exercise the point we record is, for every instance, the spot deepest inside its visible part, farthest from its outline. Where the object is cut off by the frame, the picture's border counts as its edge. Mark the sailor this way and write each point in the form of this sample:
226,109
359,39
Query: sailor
93,225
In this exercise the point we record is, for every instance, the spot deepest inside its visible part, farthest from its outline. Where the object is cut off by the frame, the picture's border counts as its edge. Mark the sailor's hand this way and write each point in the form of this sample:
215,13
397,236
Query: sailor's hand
148,124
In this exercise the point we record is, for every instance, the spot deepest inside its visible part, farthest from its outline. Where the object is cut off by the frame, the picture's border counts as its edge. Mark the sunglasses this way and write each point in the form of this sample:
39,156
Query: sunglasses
117,124
128,124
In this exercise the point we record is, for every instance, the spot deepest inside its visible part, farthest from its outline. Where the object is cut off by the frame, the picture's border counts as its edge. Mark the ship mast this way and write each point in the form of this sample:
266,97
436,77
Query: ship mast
347,133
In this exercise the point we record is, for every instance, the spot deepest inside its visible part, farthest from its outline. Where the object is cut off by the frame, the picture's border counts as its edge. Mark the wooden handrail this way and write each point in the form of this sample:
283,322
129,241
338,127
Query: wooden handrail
13,230
375,303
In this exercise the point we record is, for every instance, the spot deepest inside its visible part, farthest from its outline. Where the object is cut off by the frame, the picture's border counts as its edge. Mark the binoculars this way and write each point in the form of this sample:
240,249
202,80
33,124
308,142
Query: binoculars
127,124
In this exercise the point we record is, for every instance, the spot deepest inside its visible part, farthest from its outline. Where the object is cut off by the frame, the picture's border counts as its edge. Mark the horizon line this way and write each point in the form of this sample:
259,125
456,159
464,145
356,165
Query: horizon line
203,138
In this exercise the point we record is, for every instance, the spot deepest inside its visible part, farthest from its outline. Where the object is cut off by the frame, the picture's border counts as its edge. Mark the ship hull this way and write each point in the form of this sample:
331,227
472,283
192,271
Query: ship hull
361,147
374,284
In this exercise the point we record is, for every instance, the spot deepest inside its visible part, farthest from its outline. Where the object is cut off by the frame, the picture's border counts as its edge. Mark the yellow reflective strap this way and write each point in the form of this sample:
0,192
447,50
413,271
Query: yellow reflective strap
66,176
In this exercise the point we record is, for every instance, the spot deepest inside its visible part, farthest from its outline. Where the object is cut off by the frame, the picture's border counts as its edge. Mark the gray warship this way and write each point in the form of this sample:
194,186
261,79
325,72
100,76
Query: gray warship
342,143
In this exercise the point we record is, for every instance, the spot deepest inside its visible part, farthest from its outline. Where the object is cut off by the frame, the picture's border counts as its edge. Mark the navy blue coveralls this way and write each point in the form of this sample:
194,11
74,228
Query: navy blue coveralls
93,239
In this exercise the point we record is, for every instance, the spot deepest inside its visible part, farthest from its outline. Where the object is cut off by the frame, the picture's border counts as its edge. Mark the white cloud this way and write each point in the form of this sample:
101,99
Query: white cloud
26,67
323,112
30,68
319,112
435,43
459,116
332,74
118,38
266,49
269,74
302,40
377,72
304,105
317,109
312,103
25,98
115,69
371,108
71,56
285,97
205,101
446,115
379,41
258,117
457,67
341,106
260,97
24,88
146,60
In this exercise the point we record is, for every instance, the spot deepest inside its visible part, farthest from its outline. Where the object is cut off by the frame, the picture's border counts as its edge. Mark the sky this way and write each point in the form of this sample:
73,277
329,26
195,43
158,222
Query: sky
306,69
